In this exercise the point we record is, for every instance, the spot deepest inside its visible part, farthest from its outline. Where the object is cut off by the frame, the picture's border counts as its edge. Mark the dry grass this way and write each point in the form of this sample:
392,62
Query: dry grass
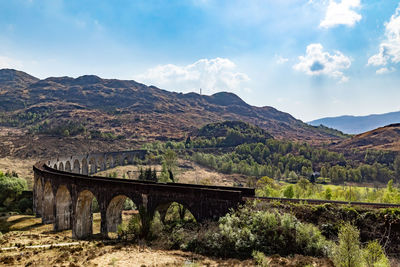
188,172
27,230
23,167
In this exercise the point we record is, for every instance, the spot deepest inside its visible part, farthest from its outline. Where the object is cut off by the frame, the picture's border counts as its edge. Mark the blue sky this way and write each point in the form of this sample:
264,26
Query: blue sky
311,58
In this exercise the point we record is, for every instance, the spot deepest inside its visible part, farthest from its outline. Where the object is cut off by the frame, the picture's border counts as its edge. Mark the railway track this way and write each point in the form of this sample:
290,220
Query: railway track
320,201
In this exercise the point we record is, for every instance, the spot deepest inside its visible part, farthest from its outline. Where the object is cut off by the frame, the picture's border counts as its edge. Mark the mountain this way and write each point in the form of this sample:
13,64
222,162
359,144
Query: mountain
123,112
383,138
358,124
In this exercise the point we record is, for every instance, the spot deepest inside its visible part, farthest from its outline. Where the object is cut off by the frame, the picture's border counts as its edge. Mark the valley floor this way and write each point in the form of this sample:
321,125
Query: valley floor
25,231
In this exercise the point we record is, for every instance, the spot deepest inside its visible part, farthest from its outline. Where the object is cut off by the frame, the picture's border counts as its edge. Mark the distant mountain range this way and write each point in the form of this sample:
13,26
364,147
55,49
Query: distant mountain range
358,124
89,107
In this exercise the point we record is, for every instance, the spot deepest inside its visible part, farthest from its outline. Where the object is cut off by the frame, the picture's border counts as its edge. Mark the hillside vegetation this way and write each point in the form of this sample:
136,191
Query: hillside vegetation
251,151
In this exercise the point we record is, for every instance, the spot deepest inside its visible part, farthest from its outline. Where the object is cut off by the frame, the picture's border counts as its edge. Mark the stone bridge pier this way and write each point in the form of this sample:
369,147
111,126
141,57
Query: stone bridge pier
64,193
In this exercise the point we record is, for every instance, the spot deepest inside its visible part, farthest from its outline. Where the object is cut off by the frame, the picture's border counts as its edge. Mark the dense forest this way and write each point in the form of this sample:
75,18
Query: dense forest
238,147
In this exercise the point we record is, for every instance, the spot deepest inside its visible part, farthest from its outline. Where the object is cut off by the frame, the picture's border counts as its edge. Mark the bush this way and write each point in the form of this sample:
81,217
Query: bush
183,236
129,205
348,252
10,189
95,206
25,204
374,255
130,231
260,258
156,226
288,192
243,231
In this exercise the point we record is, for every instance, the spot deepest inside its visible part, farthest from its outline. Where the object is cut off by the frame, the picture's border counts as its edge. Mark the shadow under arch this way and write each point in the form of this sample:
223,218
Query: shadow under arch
48,204
118,160
101,164
92,166
61,166
77,167
175,211
55,166
125,160
85,167
63,209
114,211
83,224
109,162
68,166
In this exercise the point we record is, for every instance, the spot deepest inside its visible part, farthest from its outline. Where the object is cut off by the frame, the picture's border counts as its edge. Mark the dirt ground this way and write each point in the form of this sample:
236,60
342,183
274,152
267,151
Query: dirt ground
22,231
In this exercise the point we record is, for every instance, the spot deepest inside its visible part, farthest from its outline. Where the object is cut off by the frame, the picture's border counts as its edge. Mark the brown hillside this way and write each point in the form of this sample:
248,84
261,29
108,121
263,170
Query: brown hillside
383,138
131,110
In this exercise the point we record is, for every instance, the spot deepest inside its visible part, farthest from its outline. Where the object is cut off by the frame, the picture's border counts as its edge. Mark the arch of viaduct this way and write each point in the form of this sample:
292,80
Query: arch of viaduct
65,187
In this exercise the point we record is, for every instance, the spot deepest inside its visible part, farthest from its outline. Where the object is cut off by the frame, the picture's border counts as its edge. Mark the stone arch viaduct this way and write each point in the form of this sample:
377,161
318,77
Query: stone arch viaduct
64,188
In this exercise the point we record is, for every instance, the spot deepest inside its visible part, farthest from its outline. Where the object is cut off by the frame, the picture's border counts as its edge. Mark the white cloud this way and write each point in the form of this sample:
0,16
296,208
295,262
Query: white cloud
389,49
385,70
281,60
9,63
341,13
212,75
318,62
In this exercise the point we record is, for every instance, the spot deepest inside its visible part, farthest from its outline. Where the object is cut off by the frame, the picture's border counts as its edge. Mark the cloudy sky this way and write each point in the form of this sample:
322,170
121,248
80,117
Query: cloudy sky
311,58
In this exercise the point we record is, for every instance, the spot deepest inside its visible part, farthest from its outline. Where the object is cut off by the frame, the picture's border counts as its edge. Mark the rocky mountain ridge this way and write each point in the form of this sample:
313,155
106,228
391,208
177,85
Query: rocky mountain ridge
132,110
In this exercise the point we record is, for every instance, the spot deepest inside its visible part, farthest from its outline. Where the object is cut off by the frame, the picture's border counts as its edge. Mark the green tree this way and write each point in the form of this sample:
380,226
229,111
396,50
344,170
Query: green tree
390,186
10,189
303,184
374,255
164,175
348,252
288,192
141,174
328,194
293,175
396,167
170,159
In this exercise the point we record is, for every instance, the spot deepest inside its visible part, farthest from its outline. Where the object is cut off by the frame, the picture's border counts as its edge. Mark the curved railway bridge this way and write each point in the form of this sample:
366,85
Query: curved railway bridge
65,187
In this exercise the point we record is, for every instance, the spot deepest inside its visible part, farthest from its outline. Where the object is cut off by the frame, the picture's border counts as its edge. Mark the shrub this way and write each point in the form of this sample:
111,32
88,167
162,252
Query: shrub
129,205
260,258
25,204
183,237
130,231
348,253
288,192
374,255
241,232
10,189
95,205
156,226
